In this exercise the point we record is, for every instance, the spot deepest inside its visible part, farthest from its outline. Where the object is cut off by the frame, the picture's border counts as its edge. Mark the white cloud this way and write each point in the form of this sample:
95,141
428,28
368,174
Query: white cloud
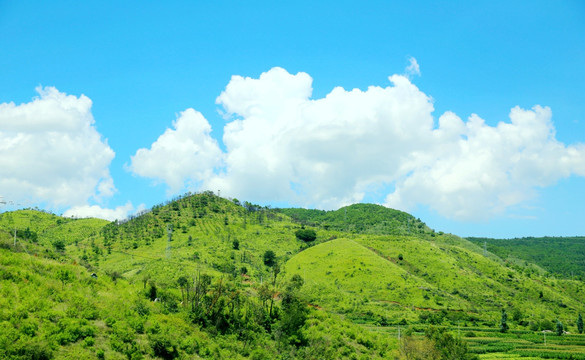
185,153
95,211
329,149
51,152
476,170
413,68
283,146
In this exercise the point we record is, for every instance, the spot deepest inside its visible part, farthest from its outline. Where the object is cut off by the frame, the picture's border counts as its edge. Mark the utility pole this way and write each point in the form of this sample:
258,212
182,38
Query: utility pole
399,335
485,248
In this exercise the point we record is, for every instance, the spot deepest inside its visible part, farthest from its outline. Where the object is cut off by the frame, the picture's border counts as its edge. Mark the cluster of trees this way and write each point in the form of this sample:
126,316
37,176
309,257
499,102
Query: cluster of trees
437,344
557,326
221,306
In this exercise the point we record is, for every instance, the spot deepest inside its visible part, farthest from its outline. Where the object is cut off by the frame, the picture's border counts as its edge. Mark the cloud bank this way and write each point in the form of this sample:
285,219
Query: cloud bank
283,146
50,151
96,211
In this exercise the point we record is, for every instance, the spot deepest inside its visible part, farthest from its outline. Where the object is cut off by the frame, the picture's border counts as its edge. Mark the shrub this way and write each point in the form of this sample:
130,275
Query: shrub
306,235
269,258
163,346
59,245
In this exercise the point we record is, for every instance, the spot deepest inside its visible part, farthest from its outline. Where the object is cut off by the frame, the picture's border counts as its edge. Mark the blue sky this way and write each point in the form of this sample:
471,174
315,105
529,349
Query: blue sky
107,108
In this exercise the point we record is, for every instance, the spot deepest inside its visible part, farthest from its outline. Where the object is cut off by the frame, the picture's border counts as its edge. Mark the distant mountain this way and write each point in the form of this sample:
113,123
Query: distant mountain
563,256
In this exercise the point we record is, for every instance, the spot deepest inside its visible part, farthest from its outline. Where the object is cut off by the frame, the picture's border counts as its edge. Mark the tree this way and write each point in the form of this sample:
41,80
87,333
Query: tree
450,347
152,292
269,258
236,244
306,235
580,324
59,245
504,322
560,328
64,275
183,283
294,312
517,315
412,348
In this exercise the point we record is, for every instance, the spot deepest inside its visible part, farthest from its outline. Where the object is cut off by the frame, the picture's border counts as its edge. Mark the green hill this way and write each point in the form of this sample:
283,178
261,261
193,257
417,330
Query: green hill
563,256
393,278
189,279
360,218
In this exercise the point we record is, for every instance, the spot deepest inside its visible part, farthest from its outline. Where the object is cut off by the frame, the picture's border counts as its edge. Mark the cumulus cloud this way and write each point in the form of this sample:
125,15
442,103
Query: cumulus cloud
476,170
51,152
283,146
185,153
95,211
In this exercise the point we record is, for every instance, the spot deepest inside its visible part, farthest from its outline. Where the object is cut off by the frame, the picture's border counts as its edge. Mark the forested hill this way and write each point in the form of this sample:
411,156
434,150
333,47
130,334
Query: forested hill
360,218
564,256
207,277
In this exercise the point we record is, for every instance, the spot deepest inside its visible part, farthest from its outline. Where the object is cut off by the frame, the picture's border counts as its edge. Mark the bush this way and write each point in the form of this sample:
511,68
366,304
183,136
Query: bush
163,346
59,245
269,258
306,235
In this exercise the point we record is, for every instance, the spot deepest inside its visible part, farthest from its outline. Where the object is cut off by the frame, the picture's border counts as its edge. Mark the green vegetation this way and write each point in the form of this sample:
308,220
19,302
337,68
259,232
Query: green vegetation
306,235
205,277
360,218
563,256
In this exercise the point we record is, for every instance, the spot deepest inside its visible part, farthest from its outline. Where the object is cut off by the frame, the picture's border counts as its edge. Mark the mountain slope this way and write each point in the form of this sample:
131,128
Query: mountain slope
387,279
202,258
564,256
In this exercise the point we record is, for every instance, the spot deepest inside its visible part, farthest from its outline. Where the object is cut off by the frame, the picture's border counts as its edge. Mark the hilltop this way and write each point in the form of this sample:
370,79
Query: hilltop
204,276
360,218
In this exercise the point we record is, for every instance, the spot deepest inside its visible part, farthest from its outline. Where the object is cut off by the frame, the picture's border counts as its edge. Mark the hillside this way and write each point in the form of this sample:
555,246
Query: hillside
563,256
193,278
360,218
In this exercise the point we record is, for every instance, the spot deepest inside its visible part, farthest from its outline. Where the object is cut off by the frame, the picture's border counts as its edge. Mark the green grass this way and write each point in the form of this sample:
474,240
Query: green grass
370,271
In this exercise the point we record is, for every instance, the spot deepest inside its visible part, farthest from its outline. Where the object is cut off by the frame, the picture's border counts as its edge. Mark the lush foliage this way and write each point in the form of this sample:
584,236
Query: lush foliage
564,256
306,235
360,218
205,277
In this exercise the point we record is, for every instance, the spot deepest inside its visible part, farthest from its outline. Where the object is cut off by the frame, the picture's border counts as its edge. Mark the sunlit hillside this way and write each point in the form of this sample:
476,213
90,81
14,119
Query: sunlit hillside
207,277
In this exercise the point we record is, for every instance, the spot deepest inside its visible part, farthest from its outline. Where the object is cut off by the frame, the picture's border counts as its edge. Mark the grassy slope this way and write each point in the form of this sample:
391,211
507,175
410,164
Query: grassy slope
365,276
355,275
